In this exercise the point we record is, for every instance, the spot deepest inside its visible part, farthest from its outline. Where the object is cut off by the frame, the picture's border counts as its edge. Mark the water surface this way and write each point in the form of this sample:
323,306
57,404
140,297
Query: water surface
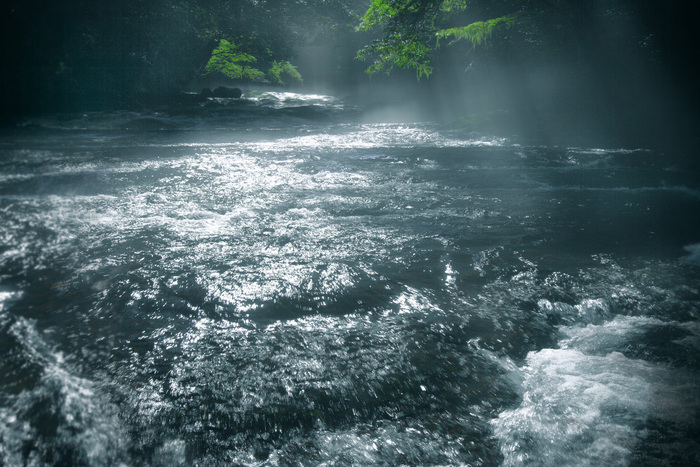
271,281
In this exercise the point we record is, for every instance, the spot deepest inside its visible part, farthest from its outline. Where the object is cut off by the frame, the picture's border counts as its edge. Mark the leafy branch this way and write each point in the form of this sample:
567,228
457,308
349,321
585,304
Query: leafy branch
477,32
229,60
409,28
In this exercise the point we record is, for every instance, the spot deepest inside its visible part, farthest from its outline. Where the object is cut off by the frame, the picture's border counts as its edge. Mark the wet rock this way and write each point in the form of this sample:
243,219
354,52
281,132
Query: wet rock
223,91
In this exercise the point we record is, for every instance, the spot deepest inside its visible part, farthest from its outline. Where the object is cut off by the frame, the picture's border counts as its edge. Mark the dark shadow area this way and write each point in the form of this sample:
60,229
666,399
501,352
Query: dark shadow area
612,73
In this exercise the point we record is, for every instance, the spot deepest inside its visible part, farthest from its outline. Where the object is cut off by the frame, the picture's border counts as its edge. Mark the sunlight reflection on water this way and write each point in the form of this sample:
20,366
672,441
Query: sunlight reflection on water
343,294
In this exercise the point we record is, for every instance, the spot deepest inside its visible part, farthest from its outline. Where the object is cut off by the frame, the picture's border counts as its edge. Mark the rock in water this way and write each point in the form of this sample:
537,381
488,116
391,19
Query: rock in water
223,91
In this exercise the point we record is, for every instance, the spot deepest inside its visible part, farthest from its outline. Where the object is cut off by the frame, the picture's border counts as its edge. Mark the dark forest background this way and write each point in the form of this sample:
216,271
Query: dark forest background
596,69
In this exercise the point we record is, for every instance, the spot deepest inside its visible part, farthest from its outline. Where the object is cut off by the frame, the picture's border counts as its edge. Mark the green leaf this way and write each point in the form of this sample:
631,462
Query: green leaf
280,67
453,5
377,13
228,60
398,50
478,32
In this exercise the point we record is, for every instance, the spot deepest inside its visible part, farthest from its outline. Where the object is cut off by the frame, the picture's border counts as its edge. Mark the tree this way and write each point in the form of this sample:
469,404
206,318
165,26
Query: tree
75,54
411,32
257,40
596,67
412,29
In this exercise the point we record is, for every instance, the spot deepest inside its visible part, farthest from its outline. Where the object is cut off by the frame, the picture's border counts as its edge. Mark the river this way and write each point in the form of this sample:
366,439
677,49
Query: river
277,280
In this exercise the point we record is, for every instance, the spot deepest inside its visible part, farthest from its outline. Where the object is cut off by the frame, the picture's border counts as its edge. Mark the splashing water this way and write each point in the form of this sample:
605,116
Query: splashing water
270,281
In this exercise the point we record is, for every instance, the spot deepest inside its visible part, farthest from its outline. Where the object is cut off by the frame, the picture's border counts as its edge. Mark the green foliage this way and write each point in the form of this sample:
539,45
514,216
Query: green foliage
477,32
279,67
228,60
378,12
405,12
401,51
453,5
412,29
407,25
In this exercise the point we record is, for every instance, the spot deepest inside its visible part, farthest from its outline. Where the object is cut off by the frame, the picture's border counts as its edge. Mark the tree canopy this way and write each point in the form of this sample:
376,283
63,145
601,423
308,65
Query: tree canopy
76,53
413,28
412,31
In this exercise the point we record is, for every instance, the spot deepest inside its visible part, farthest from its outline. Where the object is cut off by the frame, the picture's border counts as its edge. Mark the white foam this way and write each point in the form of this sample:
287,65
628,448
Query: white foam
586,404
373,136
588,311
694,256
85,423
8,297
289,99
576,410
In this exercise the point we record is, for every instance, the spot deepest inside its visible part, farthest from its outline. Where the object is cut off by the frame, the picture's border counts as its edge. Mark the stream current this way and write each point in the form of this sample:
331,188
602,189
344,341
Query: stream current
276,281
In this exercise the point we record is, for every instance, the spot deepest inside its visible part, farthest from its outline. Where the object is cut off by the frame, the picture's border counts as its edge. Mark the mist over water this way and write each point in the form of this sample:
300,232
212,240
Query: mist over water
287,279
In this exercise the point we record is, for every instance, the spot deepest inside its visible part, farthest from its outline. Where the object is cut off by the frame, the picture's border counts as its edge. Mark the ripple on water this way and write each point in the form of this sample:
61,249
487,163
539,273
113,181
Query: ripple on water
50,416
334,387
338,295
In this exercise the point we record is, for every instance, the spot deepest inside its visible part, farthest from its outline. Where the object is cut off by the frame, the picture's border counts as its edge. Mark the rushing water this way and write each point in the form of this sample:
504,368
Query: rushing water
270,281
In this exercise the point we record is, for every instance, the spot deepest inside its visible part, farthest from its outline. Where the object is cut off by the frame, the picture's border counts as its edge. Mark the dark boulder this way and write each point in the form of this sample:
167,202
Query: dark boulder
223,91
